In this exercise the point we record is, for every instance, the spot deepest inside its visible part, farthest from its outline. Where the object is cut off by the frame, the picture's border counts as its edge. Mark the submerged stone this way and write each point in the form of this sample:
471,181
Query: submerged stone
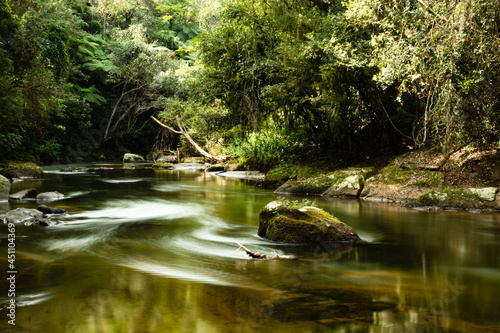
286,222
51,210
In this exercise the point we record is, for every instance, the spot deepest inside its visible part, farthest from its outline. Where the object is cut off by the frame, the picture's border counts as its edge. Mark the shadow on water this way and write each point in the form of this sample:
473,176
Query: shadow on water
149,251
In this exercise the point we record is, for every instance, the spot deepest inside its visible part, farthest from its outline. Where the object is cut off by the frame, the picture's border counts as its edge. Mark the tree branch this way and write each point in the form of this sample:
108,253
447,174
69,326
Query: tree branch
116,107
183,132
430,10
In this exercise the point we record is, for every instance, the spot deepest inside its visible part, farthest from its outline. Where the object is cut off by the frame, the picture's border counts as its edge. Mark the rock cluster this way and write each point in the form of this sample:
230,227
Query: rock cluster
29,217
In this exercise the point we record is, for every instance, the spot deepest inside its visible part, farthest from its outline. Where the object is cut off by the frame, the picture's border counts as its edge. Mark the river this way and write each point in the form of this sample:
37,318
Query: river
144,250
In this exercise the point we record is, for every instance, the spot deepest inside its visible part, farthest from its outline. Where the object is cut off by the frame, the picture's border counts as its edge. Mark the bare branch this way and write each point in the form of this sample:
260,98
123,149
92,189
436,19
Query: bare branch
116,107
183,132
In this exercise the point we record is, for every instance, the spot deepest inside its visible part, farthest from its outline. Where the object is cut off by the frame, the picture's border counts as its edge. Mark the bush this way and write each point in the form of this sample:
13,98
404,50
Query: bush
268,147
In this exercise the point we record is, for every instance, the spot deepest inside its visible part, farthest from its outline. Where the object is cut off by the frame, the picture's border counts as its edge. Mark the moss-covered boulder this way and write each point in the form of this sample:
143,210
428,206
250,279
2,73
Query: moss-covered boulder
14,170
291,223
4,188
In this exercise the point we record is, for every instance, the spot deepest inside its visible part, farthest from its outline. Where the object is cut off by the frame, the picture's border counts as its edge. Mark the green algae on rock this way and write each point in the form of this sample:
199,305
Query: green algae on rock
291,223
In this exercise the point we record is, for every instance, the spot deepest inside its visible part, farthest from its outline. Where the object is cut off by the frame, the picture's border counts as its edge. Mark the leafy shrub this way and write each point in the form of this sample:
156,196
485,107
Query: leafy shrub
267,147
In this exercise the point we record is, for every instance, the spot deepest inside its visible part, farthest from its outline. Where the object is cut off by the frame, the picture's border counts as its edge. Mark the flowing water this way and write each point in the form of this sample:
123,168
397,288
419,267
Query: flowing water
155,251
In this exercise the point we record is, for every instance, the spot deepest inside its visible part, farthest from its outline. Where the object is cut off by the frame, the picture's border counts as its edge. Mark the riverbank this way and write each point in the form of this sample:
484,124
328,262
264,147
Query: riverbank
427,180
465,180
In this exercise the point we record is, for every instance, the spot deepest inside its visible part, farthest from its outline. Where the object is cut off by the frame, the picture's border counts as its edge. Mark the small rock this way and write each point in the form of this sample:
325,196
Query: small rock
132,158
51,210
75,169
24,194
485,193
49,196
168,159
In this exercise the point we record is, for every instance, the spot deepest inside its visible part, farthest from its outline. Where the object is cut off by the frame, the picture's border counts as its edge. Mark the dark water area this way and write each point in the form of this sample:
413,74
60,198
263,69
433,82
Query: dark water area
144,250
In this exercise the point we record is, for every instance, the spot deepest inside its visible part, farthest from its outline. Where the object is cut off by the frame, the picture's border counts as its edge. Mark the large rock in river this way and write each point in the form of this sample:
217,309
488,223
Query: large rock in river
14,170
4,188
286,222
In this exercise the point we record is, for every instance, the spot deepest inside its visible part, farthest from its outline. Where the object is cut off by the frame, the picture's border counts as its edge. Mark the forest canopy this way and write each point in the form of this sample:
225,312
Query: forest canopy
260,79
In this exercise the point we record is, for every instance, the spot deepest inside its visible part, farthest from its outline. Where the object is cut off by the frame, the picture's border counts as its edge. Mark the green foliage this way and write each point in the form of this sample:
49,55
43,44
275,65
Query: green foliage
261,80
390,71
50,151
267,147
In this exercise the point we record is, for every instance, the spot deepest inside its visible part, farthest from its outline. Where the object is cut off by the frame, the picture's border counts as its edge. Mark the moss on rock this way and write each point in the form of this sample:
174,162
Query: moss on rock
348,182
21,170
309,186
452,198
292,223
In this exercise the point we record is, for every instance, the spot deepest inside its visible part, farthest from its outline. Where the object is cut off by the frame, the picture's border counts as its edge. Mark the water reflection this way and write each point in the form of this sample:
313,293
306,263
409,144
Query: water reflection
155,251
